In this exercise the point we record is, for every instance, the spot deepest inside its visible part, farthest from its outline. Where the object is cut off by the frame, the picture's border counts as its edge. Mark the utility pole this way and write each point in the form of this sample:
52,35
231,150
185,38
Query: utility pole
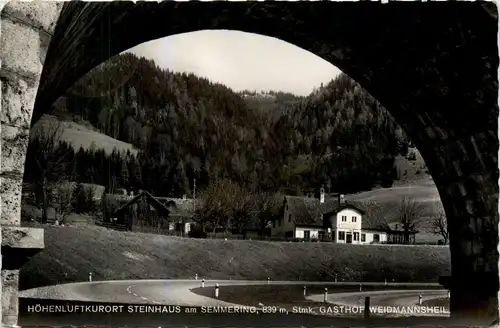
194,189
194,196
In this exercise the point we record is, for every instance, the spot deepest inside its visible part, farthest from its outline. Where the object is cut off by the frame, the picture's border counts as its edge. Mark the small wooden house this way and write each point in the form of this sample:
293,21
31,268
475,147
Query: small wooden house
182,211
144,210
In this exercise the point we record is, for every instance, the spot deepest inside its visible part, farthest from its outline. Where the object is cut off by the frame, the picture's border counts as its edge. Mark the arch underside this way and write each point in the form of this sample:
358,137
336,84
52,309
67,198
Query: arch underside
432,65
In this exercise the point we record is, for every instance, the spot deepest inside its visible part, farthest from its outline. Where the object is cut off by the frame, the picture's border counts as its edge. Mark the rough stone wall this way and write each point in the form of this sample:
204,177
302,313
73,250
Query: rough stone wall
25,33
26,29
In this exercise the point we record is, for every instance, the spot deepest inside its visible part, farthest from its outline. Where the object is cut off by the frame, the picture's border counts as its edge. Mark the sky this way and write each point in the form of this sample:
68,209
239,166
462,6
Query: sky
240,60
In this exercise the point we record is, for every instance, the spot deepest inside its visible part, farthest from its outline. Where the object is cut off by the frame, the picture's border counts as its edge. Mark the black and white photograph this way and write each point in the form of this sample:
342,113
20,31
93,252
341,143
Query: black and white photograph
249,163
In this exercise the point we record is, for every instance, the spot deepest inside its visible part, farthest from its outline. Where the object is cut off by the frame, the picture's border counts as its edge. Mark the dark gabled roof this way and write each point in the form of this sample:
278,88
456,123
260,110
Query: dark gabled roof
254,224
180,207
372,222
344,206
377,221
367,222
164,208
308,210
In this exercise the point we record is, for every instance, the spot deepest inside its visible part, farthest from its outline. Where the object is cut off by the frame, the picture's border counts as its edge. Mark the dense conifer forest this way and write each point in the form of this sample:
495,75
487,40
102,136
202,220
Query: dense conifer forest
186,128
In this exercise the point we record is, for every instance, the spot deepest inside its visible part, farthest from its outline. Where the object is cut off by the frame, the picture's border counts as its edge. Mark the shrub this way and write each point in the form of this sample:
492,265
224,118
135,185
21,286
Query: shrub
197,233
89,201
79,198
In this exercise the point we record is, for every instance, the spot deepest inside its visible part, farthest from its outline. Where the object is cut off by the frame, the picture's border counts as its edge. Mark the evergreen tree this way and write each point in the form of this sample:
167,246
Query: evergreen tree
124,174
90,206
79,199
82,165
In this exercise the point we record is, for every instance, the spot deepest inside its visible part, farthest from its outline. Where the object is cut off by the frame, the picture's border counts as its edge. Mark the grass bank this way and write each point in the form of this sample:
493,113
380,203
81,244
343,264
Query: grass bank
85,136
72,252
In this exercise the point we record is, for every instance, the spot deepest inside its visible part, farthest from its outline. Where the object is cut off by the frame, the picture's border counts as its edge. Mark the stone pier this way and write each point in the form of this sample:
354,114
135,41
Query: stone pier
25,35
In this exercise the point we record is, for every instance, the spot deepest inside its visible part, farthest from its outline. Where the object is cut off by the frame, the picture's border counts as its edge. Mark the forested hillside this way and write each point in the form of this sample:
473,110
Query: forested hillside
187,127
273,103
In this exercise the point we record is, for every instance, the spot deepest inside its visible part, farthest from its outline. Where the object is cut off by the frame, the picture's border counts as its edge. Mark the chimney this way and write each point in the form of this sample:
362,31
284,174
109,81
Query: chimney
322,195
341,198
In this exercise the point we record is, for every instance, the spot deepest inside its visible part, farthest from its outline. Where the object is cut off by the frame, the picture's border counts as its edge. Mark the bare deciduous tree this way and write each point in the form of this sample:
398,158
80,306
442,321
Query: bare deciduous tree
267,206
50,164
440,224
242,205
63,201
374,214
410,213
216,208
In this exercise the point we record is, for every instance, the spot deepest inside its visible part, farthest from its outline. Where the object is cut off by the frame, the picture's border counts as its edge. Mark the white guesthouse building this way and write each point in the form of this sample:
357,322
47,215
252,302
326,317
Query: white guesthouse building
333,220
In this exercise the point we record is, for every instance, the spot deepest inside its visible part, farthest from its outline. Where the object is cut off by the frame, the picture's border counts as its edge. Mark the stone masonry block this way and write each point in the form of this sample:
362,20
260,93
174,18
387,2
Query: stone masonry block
19,245
22,237
20,48
18,99
10,297
42,14
14,146
10,191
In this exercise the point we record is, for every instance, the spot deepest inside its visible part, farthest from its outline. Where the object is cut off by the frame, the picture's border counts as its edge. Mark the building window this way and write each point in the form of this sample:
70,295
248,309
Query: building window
289,217
341,235
356,236
353,219
307,234
321,235
376,238
363,237
344,218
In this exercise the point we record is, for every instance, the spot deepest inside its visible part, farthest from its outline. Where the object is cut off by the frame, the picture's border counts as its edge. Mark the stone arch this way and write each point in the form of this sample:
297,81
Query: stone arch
432,65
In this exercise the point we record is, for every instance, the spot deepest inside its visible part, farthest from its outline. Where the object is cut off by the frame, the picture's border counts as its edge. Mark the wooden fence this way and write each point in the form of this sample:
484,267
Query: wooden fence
141,229
159,231
114,226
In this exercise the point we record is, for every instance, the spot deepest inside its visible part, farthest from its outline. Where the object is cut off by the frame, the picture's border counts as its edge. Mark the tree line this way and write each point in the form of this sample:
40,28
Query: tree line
227,205
51,163
187,128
